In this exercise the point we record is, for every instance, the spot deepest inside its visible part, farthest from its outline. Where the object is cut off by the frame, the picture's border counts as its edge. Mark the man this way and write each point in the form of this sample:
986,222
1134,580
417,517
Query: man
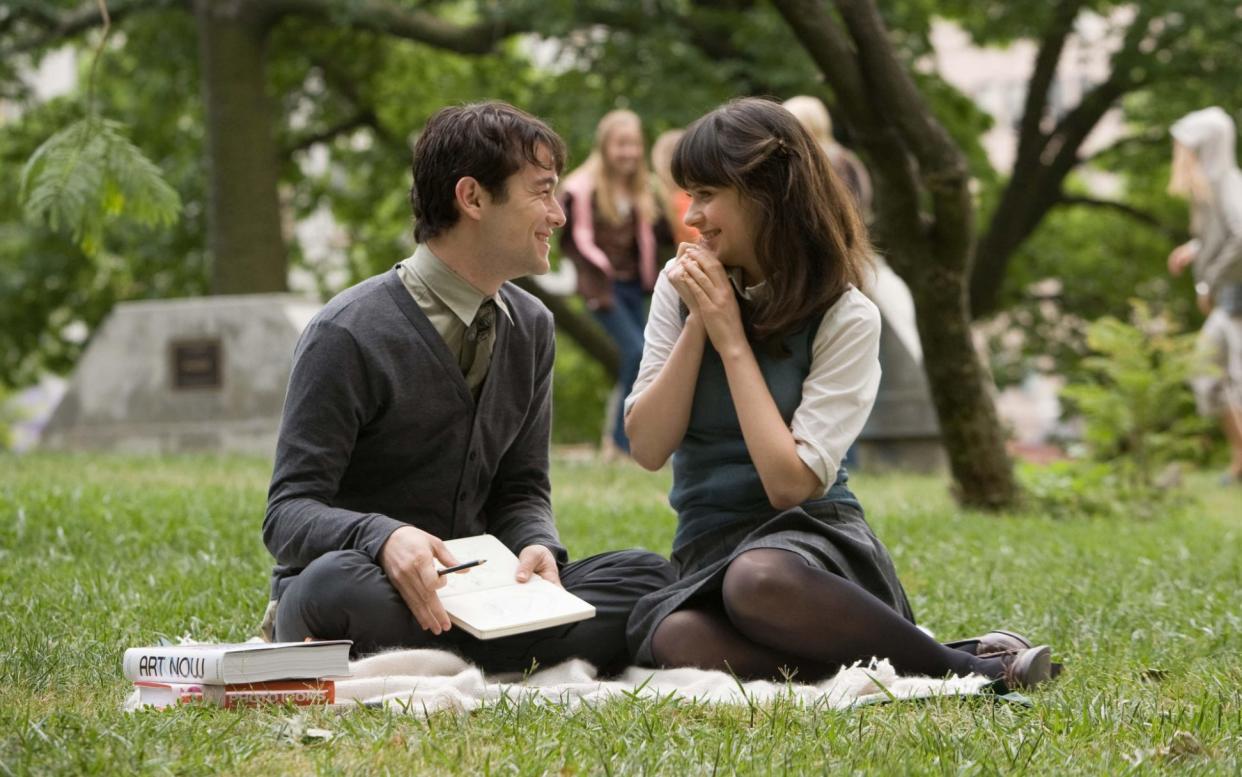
419,409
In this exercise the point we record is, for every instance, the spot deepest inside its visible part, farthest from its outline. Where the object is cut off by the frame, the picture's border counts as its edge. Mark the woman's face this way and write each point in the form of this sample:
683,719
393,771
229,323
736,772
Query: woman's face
623,149
726,226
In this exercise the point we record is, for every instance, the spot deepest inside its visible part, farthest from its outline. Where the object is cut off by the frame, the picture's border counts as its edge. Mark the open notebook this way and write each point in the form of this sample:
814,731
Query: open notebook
488,602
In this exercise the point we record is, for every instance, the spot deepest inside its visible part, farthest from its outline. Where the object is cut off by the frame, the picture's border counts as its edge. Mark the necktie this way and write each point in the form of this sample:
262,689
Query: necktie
477,350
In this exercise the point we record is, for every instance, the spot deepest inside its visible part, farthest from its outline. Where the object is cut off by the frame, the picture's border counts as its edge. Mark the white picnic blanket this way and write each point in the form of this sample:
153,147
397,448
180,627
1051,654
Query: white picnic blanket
426,681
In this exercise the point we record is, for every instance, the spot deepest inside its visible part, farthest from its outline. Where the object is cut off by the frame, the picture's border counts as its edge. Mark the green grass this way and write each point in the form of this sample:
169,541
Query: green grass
100,553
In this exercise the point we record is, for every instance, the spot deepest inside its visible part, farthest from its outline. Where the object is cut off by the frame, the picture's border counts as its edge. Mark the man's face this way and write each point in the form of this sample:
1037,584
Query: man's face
517,232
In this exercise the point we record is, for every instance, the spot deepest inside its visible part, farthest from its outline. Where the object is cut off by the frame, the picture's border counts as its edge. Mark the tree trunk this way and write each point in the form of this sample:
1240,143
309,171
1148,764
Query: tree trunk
960,389
1004,235
924,222
244,225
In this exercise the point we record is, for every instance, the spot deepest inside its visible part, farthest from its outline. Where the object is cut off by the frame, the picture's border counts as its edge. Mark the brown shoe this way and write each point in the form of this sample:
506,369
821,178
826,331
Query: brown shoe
996,641
1026,668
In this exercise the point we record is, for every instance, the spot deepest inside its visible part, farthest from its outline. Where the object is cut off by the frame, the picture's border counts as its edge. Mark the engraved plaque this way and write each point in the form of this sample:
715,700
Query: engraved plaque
196,364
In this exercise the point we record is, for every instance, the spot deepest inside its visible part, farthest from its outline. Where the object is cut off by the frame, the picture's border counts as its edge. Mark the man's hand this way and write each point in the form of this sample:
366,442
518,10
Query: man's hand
538,560
1181,258
408,558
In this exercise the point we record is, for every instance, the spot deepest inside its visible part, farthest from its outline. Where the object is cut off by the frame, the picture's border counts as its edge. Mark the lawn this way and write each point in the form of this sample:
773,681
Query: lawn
99,553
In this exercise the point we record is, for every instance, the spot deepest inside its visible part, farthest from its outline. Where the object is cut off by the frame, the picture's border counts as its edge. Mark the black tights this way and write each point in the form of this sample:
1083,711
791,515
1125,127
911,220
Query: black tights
777,613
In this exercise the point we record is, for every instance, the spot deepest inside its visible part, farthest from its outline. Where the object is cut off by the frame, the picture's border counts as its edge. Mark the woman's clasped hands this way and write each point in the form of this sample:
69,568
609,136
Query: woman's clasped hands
702,283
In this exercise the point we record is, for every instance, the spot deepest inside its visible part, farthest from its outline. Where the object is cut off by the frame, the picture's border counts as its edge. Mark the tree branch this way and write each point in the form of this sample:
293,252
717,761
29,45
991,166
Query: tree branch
1076,125
363,118
87,17
1137,214
708,25
347,87
388,18
1035,188
1031,138
1156,137
830,48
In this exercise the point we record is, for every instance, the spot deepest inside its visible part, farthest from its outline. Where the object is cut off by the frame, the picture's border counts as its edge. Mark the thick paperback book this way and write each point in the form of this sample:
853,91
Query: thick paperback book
246,662
299,692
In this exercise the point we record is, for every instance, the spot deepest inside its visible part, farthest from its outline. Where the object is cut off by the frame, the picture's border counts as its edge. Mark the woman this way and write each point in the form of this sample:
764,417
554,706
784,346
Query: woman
760,368
610,211
1205,170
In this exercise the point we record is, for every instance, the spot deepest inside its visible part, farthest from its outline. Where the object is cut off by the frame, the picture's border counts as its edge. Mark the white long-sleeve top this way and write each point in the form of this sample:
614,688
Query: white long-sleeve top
838,392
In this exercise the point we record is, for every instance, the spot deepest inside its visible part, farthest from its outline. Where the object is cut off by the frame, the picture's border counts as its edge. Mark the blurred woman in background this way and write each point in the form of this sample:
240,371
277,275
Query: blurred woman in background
676,200
609,234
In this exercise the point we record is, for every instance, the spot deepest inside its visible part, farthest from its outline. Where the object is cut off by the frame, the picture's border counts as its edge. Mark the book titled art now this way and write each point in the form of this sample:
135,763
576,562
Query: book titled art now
245,662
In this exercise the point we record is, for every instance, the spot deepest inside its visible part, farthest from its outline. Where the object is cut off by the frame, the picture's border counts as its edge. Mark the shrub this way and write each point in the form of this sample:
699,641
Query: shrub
1135,401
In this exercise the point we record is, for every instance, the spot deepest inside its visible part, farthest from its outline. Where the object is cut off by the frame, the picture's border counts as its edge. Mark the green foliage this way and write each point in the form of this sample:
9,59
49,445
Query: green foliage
1138,410
1080,488
89,175
580,392
52,293
1084,264
326,76
8,416
1103,257
1101,260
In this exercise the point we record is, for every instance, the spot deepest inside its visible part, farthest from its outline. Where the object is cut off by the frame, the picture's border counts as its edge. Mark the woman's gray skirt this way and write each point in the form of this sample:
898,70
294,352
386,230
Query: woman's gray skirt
833,536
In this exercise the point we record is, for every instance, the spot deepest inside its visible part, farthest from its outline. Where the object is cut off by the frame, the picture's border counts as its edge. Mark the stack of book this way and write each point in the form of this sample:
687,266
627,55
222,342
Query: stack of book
238,675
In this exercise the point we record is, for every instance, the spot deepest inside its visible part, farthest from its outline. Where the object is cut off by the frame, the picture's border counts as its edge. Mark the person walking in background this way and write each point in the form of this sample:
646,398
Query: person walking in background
760,368
676,200
609,235
1205,171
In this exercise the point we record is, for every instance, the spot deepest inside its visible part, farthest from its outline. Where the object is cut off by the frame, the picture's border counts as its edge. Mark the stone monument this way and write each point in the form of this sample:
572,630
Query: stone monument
902,431
201,374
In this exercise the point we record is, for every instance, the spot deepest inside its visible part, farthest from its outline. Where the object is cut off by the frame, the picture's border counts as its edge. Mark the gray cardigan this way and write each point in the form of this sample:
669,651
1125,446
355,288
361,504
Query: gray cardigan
380,431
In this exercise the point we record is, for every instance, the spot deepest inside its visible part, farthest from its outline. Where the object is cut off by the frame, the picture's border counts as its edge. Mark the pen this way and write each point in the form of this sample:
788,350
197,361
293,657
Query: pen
460,567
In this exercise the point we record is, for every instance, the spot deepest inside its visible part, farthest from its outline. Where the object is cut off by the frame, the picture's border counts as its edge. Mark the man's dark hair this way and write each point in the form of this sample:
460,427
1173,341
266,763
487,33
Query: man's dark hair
487,141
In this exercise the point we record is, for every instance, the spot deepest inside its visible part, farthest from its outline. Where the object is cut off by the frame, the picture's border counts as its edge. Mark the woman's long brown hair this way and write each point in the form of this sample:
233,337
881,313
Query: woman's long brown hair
810,241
